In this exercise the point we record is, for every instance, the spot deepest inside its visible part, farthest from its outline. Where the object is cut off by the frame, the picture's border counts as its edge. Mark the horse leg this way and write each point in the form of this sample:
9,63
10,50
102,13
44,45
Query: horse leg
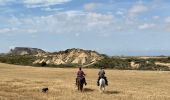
103,88
78,87
81,87
100,88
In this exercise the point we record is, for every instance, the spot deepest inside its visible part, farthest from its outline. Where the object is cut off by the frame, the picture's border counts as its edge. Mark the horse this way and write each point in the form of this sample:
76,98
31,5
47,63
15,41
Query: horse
102,84
80,82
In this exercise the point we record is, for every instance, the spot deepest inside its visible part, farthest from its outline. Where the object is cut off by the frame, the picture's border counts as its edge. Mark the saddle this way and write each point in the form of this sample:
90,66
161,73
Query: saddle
81,79
102,77
105,78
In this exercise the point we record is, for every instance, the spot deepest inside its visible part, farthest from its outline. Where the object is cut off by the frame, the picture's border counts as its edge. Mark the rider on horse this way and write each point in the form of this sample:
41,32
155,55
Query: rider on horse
81,74
101,74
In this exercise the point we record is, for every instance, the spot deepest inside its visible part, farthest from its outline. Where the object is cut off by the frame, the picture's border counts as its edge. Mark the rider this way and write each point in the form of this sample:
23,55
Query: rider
81,74
101,74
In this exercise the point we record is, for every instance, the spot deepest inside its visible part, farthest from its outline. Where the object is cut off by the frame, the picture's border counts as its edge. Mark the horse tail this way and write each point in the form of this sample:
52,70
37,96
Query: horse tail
80,83
102,82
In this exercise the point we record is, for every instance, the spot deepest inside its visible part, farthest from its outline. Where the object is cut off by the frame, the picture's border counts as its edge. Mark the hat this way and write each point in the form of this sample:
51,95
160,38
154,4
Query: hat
79,68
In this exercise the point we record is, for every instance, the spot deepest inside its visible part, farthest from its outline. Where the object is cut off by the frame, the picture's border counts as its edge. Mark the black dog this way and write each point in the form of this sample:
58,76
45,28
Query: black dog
44,90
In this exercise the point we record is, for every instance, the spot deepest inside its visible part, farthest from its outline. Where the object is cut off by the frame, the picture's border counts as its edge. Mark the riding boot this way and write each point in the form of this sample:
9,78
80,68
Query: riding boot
76,81
98,81
106,80
85,81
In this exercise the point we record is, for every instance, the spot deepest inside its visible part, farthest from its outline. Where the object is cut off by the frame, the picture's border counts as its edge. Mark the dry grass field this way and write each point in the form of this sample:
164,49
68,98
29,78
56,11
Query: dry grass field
25,83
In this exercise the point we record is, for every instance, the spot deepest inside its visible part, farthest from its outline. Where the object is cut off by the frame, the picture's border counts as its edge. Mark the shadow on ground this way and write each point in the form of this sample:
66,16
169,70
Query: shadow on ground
112,92
88,90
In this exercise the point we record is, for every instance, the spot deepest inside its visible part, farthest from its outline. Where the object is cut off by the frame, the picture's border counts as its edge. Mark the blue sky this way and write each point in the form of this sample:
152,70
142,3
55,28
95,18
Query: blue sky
113,27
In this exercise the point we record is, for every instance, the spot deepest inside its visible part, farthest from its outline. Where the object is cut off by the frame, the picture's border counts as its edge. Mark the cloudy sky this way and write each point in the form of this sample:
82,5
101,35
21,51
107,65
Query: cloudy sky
113,27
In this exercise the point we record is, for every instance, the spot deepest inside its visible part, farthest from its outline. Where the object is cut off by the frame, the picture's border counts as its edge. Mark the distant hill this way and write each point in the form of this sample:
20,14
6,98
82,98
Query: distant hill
69,56
26,51
85,58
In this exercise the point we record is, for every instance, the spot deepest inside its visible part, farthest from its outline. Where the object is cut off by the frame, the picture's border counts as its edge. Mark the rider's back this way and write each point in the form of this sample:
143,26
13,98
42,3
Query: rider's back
101,73
80,73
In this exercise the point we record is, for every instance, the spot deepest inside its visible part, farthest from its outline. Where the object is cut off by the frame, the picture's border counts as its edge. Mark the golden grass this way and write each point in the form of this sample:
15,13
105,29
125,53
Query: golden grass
25,83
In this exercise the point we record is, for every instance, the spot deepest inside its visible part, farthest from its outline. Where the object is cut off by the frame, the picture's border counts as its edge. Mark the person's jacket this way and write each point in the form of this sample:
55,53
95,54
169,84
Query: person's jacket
80,74
101,73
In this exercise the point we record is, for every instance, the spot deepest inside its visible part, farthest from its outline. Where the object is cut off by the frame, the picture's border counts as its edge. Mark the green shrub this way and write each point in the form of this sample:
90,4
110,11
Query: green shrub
19,60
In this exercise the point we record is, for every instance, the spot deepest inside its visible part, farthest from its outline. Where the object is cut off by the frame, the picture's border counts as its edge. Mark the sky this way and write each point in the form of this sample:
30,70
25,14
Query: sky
112,27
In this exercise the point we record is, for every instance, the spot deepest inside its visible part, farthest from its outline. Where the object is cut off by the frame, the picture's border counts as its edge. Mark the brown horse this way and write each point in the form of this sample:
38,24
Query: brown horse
80,82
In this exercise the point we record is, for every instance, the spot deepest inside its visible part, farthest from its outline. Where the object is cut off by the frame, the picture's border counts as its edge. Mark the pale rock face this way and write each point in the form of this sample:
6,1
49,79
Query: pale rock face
59,61
82,55
76,61
72,56
134,65
163,64
24,53
48,62
37,61
43,60
93,54
83,60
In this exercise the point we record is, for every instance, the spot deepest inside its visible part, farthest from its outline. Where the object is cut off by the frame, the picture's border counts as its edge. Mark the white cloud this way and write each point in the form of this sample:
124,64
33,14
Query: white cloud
168,28
51,9
4,2
12,47
69,22
120,13
16,30
99,19
34,3
91,6
146,26
132,14
156,17
137,9
77,34
5,30
40,3
73,13
167,20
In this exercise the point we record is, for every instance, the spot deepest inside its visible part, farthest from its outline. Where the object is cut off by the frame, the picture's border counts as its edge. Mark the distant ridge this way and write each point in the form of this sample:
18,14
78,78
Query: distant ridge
85,58
26,51
69,56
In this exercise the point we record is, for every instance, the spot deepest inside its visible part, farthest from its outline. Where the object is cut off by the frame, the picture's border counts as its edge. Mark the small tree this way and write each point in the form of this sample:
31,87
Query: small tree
43,63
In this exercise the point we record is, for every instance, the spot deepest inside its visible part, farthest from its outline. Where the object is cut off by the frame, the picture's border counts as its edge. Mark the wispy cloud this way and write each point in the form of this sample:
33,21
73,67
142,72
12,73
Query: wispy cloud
34,3
42,3
120,13
51,9
63,22
146,26
137,9
16,30
91,6
156,17
5,2
167,20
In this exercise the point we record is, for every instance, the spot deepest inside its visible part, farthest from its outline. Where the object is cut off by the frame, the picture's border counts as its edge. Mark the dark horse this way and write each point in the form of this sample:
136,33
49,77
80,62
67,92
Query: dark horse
80,82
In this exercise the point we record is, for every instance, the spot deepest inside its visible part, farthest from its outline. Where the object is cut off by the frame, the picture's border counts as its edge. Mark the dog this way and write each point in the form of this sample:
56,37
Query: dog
44,90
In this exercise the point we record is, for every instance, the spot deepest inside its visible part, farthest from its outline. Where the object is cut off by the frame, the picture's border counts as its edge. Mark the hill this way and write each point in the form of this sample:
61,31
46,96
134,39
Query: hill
72,56
26,51
86,58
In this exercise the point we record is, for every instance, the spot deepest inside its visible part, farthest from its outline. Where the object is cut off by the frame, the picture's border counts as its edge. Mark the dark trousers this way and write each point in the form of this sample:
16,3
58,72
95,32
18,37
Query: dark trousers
105,78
